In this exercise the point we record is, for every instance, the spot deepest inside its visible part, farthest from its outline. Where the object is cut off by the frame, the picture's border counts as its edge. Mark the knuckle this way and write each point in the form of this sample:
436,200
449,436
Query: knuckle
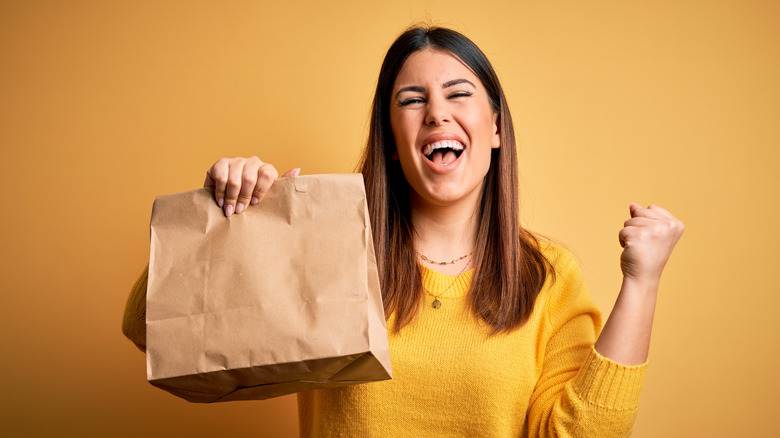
249,179
267,172
237,162
220,179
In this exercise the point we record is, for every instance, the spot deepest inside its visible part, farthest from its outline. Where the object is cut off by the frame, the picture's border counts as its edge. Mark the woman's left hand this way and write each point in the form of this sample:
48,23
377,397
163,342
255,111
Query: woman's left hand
648,239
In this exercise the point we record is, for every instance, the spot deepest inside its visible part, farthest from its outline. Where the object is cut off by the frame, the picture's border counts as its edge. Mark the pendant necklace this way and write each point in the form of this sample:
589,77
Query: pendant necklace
436,303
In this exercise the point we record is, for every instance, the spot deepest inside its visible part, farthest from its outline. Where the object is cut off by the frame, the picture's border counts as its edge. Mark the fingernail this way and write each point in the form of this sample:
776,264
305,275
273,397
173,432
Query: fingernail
297,172
239,207
229,210
221,202
255,200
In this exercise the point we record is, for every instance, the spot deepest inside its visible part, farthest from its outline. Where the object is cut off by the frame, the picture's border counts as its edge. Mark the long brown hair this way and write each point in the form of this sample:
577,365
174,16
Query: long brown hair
510,269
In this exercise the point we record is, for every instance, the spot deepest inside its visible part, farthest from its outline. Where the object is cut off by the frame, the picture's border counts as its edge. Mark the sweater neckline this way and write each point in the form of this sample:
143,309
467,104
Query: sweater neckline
436,282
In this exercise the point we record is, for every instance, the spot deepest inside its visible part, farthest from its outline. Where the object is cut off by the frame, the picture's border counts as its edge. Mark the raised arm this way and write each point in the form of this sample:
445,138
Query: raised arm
648,239
585,391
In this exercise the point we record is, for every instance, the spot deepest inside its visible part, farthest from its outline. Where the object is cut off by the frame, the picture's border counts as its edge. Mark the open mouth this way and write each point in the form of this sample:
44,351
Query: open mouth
443,152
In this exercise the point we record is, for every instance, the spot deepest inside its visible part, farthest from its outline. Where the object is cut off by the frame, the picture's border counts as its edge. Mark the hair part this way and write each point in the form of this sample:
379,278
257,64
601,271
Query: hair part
510,269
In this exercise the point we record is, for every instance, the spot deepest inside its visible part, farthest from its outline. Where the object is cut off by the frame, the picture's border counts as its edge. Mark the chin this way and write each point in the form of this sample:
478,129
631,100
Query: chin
446,194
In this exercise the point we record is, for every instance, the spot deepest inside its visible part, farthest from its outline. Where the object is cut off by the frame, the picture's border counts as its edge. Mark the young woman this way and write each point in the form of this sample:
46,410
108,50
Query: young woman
492,333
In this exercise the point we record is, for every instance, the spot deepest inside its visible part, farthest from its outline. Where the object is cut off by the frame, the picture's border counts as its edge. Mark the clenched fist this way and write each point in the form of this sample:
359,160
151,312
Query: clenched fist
648,239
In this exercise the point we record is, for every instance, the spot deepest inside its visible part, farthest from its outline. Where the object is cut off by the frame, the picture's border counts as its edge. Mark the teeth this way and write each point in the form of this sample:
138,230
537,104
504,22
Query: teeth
445,144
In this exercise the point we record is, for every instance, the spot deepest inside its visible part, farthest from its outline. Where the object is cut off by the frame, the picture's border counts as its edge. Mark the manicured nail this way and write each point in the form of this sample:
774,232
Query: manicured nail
229,210
255,200
239,207
297,172
221,202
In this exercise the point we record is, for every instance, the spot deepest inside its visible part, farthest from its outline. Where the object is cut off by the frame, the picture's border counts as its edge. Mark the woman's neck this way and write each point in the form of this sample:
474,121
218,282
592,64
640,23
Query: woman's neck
444,234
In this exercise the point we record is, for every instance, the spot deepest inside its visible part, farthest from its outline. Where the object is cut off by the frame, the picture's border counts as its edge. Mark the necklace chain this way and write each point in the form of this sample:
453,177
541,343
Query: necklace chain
451,262
436,303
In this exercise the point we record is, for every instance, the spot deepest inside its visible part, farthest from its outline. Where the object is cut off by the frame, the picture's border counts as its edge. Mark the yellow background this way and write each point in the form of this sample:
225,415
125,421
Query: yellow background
104,105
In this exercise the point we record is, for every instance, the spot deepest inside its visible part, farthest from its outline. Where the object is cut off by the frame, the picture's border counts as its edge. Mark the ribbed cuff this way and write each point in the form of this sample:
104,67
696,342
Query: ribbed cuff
608,384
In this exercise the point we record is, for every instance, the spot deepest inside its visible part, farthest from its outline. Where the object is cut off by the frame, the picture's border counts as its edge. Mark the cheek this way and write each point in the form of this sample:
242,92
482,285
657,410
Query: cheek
484,128
403,135
396,127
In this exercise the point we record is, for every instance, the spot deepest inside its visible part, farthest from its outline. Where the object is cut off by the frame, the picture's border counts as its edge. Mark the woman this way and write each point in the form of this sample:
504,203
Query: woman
491,332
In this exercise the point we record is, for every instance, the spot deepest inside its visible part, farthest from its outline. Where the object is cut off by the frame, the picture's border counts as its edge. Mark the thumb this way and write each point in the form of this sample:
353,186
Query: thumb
633,208
295,171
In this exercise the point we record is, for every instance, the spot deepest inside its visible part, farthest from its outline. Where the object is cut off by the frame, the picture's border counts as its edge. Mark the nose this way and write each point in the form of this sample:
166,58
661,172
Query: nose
437,112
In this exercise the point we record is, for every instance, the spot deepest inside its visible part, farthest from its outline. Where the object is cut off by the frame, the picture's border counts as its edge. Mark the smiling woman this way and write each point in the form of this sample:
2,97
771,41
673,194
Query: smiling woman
492,333
444,128
437,87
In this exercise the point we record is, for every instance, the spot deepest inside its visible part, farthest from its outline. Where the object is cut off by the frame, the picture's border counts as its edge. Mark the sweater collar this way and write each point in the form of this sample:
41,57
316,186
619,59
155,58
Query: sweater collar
438,283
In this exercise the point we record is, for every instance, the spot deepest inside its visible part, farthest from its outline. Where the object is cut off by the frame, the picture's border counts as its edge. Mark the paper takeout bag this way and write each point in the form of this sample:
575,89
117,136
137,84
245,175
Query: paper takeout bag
279,299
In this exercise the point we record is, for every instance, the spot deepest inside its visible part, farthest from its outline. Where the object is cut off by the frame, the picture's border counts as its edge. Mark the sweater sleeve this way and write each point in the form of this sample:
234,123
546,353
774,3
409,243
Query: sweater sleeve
579,393
134,321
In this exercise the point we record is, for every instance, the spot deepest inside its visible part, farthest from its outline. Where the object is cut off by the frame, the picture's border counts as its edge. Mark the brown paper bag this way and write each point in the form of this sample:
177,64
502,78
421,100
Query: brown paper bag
279,299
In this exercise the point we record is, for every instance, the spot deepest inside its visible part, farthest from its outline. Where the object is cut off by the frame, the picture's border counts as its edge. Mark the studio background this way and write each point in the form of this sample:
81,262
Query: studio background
104,105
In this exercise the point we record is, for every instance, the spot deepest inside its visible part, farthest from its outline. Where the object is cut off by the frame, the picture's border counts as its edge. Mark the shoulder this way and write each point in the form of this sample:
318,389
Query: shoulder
561,259
565,292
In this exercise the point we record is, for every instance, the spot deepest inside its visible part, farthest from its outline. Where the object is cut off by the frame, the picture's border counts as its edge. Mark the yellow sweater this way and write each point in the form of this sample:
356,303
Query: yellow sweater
452,379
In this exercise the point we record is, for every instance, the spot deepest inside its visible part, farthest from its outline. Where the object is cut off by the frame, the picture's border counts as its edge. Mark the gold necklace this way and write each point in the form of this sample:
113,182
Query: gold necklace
451,262
436,303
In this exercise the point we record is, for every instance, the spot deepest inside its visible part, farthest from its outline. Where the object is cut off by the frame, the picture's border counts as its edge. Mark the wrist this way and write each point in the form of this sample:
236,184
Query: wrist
641,285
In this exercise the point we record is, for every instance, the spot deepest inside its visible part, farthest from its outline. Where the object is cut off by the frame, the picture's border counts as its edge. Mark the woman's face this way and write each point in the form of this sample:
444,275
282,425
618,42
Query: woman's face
444,128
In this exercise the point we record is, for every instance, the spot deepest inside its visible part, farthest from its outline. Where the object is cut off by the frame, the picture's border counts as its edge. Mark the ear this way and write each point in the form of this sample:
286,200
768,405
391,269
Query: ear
495,141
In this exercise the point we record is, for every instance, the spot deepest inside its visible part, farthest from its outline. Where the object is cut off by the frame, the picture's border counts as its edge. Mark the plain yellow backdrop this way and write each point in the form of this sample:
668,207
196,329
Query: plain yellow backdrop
104,105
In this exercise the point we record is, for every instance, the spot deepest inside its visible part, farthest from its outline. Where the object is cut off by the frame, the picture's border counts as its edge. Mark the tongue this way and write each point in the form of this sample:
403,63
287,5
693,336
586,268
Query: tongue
443,156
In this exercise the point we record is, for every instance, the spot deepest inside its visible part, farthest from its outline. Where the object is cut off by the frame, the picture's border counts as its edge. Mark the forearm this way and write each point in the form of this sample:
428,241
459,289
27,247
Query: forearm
648,239
625,338
134,321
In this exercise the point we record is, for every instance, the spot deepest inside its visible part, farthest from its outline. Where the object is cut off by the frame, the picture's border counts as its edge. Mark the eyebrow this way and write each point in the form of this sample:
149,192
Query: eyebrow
419,89
456,82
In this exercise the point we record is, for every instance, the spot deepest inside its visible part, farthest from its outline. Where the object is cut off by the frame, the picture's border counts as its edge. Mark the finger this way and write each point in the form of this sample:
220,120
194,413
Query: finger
639,211
640,221
623,237
661,210
631,235
292,172
266,175
209,182
233,186
216,177
248,182
657,218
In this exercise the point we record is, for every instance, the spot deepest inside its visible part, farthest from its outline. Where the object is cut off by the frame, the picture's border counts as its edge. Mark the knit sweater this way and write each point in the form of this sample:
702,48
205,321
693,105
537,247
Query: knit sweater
452,378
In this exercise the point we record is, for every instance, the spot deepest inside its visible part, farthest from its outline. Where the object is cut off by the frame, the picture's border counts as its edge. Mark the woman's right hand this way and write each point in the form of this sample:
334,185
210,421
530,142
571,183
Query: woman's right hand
239,182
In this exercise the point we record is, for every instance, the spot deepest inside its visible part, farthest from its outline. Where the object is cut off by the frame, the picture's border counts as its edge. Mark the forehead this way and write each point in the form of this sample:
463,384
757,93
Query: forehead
429,67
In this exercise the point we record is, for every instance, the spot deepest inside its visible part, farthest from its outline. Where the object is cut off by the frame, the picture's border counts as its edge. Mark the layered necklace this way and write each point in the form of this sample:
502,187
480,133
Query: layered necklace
436,303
